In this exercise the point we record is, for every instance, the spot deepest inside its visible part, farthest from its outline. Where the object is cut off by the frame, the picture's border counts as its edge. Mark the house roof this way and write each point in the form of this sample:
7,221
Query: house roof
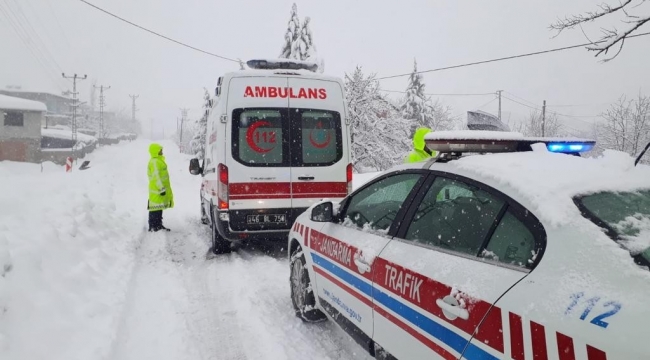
14,103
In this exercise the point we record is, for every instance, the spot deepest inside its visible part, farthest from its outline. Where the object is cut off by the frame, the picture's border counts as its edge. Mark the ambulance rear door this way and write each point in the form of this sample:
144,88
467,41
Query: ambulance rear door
319,149
258,154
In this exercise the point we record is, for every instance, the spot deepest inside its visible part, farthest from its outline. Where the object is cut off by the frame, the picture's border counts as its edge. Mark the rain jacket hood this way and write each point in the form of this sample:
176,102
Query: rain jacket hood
154,150
418,138
419,153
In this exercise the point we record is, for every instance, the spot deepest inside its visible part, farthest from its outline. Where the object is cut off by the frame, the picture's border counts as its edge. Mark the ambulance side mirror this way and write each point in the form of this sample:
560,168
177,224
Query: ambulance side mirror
322,212
195,167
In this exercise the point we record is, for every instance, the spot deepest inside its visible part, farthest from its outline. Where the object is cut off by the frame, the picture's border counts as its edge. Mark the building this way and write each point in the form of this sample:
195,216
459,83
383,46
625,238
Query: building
58,106
20,129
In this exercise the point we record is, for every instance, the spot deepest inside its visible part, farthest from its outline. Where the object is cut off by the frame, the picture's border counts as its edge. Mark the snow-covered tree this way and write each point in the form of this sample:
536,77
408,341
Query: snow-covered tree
633,15
380,137
532,126
197,144
418,108
307,49
291,48
626,125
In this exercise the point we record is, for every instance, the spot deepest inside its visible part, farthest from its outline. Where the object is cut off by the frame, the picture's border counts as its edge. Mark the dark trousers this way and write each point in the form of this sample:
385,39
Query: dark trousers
155,220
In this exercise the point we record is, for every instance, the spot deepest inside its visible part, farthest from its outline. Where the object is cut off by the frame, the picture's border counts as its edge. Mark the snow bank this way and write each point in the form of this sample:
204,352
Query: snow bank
473,135
67,134
66,252
14,103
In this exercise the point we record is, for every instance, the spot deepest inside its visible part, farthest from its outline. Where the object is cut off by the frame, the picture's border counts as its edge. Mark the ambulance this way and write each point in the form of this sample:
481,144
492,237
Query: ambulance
278,141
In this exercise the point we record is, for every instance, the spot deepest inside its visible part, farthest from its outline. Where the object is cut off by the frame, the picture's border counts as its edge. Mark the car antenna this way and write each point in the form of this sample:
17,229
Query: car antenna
641,154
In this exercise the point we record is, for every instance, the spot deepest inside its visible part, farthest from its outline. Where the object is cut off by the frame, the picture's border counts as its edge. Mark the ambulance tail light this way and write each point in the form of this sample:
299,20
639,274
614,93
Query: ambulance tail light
348,172
222,187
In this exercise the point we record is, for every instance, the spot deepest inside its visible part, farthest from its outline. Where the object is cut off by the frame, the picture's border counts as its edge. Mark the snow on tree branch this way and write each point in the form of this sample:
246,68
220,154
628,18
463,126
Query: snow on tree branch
610,37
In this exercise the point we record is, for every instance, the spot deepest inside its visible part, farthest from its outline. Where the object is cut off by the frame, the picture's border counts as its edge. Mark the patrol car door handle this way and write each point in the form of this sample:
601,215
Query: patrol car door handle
453,309
306,177
362,265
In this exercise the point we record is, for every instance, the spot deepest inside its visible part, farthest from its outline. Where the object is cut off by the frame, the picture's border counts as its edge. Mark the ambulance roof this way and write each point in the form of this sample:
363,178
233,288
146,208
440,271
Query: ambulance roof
305,74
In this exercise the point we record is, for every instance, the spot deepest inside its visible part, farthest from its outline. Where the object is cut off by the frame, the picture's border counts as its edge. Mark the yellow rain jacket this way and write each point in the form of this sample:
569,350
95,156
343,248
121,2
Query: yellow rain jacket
418,153
159,181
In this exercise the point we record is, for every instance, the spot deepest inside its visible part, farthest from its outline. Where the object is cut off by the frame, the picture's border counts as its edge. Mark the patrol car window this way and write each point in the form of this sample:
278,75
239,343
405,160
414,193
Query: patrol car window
376,206
626,216
454,215
319,134
511,243
259,137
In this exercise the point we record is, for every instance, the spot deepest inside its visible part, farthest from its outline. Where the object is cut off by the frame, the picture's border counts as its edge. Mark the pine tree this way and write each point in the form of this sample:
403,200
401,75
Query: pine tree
198,141
380,136
291,47
414,107
420,111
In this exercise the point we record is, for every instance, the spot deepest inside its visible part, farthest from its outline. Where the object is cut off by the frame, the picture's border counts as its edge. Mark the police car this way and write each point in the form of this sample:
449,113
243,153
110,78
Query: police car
502,247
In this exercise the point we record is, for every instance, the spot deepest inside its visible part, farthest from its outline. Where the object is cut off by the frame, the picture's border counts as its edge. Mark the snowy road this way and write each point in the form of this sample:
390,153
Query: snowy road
162,295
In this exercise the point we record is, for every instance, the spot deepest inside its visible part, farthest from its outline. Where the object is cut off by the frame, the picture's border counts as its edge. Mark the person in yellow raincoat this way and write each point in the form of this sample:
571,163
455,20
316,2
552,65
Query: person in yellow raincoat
420,151
161,196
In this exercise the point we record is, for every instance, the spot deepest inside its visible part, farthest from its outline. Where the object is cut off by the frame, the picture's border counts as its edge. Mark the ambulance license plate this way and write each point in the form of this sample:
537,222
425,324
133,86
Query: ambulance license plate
267,219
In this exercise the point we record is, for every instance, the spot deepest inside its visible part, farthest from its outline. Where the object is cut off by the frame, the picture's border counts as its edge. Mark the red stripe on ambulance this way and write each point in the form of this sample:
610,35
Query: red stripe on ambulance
287,190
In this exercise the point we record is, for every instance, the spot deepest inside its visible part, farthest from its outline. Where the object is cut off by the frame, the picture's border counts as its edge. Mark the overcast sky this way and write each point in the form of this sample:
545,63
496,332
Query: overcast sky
382,36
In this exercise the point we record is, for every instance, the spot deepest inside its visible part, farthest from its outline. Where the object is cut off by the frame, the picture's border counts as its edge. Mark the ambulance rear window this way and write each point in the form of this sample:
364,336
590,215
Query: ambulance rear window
320,133
259,137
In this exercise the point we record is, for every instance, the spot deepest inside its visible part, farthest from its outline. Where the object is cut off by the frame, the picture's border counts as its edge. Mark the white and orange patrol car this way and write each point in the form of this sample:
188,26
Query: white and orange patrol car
517,251
277,141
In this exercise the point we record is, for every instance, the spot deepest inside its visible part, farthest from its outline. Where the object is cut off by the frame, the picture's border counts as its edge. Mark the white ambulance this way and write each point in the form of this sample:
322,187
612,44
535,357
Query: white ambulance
278,140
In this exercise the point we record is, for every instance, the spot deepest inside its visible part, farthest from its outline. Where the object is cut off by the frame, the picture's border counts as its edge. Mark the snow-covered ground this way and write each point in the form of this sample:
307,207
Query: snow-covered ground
80,278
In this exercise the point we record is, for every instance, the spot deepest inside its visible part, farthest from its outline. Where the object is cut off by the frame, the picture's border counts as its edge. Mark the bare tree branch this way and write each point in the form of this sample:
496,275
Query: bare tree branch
610,37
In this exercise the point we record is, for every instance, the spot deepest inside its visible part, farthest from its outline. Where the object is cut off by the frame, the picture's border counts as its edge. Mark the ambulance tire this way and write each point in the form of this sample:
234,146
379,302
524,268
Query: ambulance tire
205,220
219,244
302,293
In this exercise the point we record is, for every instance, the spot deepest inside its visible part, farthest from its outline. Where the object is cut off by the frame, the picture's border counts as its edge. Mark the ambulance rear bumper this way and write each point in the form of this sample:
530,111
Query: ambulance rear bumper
235,226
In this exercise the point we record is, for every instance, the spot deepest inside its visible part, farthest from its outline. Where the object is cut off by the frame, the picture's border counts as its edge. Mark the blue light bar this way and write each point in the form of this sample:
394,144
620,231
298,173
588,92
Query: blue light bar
572,148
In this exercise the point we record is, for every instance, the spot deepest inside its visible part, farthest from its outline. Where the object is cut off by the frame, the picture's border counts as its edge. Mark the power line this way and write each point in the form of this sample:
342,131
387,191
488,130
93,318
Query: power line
502,58
23,36
157,34
430,94
534,106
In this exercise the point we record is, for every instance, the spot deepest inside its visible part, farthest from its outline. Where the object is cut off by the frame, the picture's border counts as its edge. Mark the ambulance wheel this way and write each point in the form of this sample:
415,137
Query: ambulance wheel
219,244
204,217
302,293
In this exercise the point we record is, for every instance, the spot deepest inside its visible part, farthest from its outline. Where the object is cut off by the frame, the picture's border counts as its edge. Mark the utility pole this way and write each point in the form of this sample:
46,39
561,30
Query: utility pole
499,94
543,118
183,118
133,108
74,108
102,104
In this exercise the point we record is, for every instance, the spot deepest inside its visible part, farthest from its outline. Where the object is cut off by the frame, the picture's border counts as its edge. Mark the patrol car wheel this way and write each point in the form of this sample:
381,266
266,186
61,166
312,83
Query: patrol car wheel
302,294
219,244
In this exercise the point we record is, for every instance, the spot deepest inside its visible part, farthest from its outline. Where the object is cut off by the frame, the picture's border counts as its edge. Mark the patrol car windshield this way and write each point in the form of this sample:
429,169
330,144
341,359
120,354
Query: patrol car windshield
626,216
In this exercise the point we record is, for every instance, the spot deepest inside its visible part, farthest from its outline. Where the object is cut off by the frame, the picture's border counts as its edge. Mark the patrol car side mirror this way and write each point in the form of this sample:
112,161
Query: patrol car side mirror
195,168
322,212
